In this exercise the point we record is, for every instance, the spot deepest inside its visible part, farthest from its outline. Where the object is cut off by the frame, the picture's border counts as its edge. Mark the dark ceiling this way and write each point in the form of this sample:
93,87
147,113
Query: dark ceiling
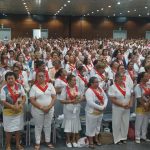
127,8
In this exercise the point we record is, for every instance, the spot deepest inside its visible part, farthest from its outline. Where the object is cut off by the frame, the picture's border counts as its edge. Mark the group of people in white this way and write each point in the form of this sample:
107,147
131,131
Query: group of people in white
52,74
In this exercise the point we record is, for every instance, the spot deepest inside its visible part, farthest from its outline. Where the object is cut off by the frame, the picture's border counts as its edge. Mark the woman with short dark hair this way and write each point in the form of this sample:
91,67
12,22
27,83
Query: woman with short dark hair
71,98
96,103
13,100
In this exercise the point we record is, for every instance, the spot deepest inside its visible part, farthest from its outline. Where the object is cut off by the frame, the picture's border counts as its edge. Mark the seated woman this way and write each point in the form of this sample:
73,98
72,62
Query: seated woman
70,98
96,103
42,98
13,99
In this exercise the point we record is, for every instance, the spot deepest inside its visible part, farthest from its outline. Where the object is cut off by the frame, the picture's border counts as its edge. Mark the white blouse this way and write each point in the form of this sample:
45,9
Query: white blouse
114,92
43,98
92,101
61,84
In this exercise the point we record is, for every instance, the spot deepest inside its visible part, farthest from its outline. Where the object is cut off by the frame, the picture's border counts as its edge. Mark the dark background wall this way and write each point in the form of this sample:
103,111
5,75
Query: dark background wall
78,27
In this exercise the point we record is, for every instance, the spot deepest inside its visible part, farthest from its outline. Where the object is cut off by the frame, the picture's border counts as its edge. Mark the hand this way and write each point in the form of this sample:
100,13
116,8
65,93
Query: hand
45,109
125,106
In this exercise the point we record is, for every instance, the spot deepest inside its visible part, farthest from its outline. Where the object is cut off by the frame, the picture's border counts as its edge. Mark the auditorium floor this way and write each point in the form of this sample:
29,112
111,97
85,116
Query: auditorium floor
128,146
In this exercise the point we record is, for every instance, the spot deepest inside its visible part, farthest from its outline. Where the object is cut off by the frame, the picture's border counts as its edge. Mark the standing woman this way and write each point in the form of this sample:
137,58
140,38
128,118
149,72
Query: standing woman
121,97
60,83
13,100
71,99
142,95
96,103
42,98
81,79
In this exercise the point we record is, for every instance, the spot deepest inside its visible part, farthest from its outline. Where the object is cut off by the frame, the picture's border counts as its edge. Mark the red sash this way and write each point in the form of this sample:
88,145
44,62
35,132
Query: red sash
63,79
120,89
43,89
82,78
13,95
131,73
88,67
71,97
146,89
101,75
98,95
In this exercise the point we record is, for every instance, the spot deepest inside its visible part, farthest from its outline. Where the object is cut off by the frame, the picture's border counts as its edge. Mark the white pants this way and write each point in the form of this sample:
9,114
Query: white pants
120,123
93,124
42,121
141,125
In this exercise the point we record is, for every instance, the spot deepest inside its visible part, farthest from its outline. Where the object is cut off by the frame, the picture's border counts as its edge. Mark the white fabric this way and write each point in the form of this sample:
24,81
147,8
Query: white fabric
120,116
13,123
141,125
120,123
93,124
81,85
93,102
71,122
42,121
43,98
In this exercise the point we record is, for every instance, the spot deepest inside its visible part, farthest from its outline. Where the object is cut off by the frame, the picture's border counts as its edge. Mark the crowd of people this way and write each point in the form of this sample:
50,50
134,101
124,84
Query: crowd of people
63,75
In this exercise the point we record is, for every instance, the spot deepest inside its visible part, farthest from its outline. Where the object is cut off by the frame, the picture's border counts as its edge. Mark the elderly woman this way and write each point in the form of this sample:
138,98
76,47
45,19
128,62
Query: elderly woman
122,98
13,100
71,98
96,103
42,98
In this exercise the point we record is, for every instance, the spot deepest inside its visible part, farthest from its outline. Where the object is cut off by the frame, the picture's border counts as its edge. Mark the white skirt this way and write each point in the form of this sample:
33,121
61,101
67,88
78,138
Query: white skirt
93,124
71,122
13,123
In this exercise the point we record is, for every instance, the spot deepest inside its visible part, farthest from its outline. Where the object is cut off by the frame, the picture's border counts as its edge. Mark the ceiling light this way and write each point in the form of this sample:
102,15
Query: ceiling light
148,14
120,13
68,1
24,3
65,5
114,14
92,12
118,3
134,9
139,15
88,14
146,7
128,11
102,9
109,6
97,10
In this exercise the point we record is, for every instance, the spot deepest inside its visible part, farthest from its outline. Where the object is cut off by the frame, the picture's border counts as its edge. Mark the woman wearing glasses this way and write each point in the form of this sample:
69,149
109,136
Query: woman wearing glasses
96,103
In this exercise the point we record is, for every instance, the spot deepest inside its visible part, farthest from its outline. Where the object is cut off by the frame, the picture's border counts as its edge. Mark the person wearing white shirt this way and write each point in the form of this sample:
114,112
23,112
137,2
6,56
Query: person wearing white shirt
142,95
122,98
71,98
59,84
96,103
42,98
